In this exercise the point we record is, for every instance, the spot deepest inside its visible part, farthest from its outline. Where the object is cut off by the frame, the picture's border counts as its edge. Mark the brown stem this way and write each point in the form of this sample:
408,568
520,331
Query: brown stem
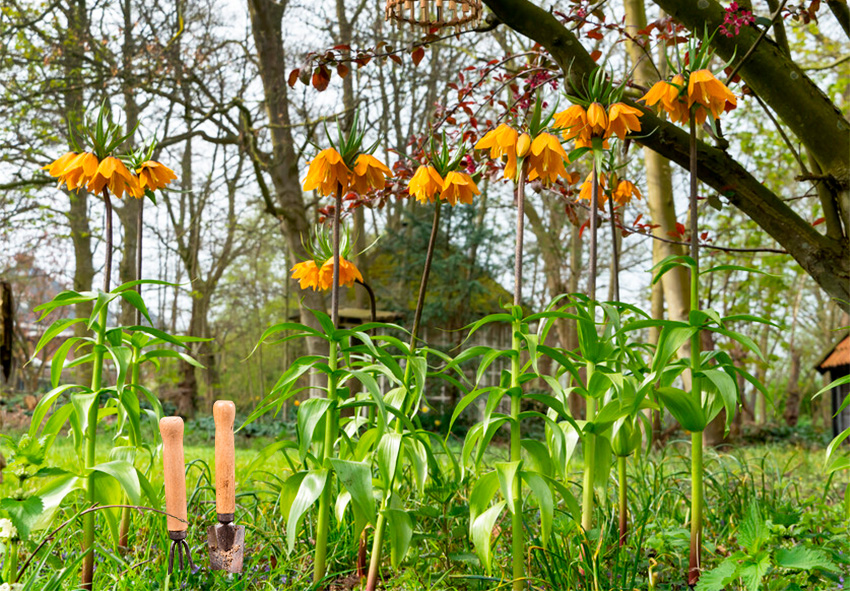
107,271
139,257
372,305
335,284
423,284
594,221
520,219
615,260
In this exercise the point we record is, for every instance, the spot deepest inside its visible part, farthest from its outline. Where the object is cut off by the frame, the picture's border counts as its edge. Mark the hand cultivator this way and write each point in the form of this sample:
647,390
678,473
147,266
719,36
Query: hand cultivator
226,541
174,472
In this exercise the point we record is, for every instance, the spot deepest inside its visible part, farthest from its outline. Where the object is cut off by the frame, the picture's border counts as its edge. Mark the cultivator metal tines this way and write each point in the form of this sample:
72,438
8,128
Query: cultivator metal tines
178,543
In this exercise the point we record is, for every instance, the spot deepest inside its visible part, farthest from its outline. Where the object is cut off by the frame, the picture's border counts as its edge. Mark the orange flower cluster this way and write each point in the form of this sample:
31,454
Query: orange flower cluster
328,171
596,122
702,91
428,185
545,155
321,277
77,171
621,194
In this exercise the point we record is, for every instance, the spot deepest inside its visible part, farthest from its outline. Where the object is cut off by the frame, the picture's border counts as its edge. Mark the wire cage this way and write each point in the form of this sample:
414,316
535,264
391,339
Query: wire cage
459,14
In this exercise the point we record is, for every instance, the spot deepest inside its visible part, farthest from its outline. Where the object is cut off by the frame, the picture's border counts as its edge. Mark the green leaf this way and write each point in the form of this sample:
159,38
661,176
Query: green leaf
508,473
401,532
481,530
310,413
542,495
538,453
719,577
753,532
53,330
125,473
753,571
133,298
310,487
804,558
356,477
669,263
44,405
170,354
23,513
728,389
52,495
669,343
684,408
387,456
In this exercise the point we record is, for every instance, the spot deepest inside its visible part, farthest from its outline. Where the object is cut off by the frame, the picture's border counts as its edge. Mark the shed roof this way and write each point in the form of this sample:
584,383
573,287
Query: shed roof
838,356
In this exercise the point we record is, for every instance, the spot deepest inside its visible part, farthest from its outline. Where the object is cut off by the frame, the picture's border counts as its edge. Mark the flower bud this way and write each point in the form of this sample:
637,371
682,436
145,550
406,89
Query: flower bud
523,144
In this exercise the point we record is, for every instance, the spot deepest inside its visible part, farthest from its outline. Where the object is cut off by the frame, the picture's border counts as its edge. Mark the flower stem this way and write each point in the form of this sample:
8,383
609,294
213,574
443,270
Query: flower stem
331,419
590,415
124,529
381,524
331,427
517,532
695,559
594,224
589,461
91,420
623,498
615,254
13,561
107,271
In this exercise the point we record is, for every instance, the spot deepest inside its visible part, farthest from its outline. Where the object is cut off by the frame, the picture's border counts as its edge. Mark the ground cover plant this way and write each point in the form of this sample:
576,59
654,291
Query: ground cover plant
579,441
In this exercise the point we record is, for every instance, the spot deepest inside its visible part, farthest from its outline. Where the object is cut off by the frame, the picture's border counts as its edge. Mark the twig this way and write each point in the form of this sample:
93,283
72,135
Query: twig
91,509
761,36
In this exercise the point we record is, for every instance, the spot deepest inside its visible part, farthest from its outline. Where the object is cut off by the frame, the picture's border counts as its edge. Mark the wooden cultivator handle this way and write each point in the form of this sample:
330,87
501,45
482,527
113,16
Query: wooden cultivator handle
224,413
174,472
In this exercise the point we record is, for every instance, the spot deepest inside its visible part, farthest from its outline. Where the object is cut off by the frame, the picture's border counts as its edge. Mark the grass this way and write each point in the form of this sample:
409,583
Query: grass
784,480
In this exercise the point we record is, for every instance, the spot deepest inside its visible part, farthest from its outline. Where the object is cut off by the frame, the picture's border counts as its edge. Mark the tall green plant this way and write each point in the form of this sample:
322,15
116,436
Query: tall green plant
103,173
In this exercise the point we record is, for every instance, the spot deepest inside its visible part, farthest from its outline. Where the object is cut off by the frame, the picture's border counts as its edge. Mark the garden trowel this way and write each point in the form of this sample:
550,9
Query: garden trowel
226,541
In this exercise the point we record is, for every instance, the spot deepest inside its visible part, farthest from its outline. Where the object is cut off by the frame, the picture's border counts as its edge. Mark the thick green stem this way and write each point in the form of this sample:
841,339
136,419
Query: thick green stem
331,432
695,559
517,532
90,436
90,453
623,498
589,461
13,561
381,524
323,522
124,529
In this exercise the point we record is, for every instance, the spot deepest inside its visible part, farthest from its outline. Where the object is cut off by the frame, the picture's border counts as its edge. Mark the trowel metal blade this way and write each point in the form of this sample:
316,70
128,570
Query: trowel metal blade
227,546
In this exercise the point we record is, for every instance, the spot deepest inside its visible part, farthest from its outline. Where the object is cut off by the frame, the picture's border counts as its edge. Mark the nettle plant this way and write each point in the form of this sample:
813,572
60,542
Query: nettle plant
111,355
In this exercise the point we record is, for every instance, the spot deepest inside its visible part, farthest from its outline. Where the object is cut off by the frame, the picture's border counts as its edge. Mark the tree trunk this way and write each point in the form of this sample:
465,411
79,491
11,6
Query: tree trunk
266,20
78,219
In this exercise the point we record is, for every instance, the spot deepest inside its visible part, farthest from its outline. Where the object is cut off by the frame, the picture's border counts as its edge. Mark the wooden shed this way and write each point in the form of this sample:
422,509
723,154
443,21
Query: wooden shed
836,364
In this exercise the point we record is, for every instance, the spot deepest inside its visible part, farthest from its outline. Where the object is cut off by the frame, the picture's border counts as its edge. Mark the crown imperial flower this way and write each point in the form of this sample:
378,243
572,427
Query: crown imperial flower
327,171
458,187
426,184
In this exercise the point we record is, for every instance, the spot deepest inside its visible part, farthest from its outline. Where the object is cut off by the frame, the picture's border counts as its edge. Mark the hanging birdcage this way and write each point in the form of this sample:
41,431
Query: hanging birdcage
428,14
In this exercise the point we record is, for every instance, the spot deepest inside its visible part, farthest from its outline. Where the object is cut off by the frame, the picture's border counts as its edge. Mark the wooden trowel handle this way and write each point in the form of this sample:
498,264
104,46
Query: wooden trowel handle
224,413
174,472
